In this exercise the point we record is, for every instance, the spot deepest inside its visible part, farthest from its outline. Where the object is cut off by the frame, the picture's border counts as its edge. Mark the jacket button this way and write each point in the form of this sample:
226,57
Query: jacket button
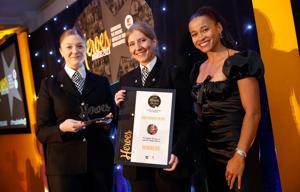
84,140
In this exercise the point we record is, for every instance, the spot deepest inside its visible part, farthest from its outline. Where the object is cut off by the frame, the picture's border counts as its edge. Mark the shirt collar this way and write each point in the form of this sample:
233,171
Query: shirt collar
150,65
70,72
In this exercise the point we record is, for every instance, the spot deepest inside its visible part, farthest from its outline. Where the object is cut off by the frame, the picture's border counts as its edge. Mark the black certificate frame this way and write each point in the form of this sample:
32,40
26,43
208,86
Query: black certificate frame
125,127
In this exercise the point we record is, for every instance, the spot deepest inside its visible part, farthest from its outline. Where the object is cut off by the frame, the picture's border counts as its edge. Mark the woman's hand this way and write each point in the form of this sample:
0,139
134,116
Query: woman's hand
234,170
119,97
71,125
173,162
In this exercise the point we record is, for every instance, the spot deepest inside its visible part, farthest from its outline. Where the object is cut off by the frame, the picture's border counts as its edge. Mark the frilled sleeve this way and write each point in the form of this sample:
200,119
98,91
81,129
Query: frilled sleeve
243,64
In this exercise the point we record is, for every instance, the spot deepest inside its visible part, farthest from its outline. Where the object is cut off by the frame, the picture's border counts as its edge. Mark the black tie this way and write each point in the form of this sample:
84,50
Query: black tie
78,81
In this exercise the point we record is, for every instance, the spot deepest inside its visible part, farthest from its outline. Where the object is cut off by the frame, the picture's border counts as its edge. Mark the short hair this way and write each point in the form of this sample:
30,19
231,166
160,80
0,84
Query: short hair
142,27
72,31
210,12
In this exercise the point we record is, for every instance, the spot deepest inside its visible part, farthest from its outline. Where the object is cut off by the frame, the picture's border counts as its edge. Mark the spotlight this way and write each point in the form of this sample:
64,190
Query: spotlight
118,167
164,8
249,27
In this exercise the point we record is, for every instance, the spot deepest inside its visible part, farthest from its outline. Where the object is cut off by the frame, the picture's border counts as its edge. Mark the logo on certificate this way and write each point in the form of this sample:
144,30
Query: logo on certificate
154,101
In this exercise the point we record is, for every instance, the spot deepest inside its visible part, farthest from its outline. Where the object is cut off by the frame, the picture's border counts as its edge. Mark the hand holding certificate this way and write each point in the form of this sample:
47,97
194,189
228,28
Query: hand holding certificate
145,127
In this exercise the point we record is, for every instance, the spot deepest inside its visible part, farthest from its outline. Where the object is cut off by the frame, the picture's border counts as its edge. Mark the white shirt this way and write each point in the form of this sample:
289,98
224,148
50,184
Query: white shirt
70,72
150,65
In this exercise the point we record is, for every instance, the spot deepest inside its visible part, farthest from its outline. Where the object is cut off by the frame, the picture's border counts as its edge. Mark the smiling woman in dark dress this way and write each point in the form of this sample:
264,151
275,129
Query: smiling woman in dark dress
226,92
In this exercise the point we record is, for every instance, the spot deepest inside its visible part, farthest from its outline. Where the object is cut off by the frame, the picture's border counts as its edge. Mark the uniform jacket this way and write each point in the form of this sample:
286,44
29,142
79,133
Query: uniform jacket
168,77
88,149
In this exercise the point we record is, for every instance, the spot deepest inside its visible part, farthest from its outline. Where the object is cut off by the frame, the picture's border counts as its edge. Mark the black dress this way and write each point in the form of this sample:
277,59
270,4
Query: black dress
222,114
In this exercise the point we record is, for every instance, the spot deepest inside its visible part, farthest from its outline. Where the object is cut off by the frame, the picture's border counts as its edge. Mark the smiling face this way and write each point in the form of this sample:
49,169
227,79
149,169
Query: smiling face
141,47
152,129
72,48
205,33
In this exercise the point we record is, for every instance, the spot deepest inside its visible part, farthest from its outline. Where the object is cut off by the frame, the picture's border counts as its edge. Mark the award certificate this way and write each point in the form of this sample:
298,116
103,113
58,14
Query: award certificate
145,127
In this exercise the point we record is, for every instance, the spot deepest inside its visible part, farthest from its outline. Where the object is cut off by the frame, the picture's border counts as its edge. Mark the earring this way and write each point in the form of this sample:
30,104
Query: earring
221,35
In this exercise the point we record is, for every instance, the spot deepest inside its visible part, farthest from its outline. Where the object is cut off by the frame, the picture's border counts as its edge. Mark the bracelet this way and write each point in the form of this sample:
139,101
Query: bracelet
241,152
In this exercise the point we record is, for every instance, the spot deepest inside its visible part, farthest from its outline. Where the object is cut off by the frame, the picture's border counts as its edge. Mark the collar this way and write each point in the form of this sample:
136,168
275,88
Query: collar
150,65
70,72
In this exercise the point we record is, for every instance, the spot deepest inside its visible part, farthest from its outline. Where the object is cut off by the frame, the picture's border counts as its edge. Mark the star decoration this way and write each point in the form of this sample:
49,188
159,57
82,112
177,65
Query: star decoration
11,75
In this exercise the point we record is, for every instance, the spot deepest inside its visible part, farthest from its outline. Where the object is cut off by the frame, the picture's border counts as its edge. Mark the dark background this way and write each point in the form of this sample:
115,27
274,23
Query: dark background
296,14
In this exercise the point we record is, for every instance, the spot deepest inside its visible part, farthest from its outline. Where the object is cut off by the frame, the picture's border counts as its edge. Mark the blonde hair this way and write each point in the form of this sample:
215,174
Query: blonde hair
72,31
142,27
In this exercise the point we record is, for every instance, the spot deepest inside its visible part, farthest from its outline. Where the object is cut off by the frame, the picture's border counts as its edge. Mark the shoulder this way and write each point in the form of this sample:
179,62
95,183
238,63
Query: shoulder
49,81
130,74
195,71
95,76
48,84
243,64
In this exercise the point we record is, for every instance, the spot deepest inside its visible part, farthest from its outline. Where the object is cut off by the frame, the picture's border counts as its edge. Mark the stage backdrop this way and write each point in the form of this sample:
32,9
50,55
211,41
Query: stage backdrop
104,23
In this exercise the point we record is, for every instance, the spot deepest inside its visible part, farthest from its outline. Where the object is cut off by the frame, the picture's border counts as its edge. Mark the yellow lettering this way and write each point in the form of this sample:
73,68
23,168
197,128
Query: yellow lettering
126,149
151,148
100,42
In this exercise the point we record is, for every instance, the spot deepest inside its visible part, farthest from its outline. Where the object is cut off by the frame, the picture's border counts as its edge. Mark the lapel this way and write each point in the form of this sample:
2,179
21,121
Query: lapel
89,84
152,78
137,77
67,84
154,75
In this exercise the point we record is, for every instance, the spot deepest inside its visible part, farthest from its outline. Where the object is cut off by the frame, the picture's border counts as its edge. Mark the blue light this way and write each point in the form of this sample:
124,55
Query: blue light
46,28
36,54
58,60
55,19
118,167
164,48
164,8
65,28
43,65
50,52
67,6
112,137
249,27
